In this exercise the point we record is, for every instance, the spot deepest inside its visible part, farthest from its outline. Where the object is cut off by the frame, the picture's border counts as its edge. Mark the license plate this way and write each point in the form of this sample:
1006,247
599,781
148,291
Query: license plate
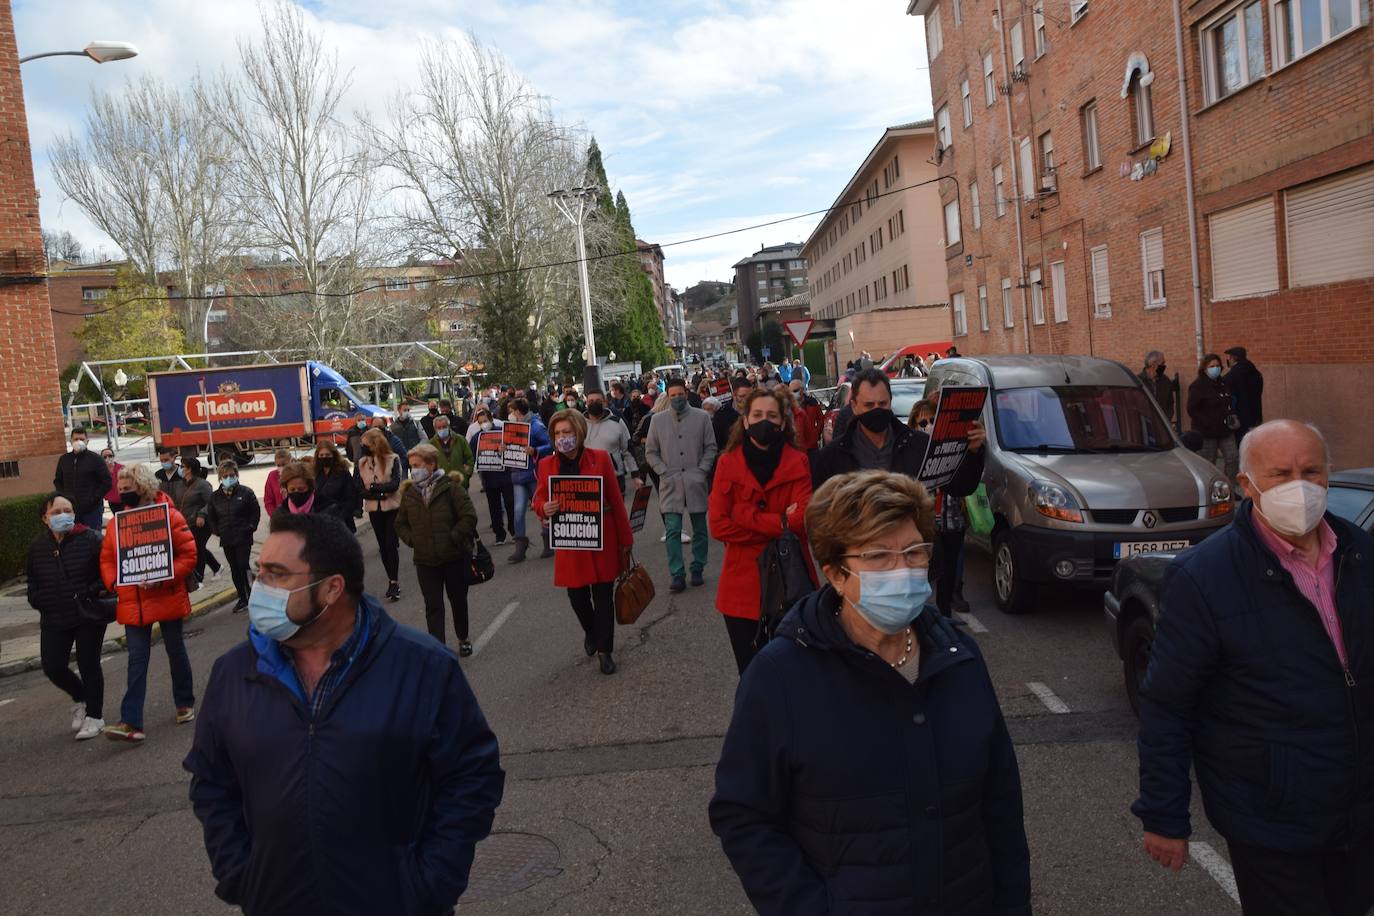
1128,548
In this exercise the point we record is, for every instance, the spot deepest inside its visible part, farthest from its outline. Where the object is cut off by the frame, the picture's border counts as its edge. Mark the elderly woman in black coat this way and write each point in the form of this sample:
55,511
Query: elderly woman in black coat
867,768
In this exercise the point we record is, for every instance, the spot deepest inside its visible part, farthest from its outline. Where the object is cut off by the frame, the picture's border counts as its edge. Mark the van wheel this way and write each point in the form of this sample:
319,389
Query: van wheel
1014,594
1136,644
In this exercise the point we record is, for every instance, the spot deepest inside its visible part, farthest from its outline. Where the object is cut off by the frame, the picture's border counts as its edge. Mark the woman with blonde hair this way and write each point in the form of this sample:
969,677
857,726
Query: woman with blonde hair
379,477
335,493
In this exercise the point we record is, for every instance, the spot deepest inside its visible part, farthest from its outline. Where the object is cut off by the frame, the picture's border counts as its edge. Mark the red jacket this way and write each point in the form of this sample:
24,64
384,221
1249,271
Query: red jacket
272,493
745,517
577,568
808,434
142,606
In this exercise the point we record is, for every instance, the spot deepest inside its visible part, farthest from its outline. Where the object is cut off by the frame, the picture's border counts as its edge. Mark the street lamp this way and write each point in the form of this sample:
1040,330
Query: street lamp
99,51
573,203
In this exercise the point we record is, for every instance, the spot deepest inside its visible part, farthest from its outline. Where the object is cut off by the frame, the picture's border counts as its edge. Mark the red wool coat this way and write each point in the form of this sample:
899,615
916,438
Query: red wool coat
745,517
578,568
142,606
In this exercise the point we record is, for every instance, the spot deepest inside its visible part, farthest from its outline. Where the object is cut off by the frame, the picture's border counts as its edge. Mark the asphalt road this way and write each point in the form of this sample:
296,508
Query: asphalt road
608,777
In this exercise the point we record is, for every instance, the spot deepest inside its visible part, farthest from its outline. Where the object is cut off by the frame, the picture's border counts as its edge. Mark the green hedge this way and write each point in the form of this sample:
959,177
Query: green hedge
19,522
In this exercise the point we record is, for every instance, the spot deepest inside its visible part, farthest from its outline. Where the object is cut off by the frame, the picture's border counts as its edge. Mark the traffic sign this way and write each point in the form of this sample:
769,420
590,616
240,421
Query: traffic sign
799,329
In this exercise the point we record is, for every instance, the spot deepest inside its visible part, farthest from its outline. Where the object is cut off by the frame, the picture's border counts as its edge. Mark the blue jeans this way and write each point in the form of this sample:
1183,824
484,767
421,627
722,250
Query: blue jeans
140,641
523,493
672,522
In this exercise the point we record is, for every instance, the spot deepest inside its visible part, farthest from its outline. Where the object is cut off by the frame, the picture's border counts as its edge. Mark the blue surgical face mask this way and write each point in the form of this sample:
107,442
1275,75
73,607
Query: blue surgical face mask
1214,372
444,432
230,482
168,465
679,402
267,610
62,522
891,599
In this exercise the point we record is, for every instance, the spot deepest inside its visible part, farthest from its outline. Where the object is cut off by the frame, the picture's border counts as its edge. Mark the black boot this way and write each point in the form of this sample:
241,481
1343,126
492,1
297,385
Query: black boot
958,601
548,551
521,545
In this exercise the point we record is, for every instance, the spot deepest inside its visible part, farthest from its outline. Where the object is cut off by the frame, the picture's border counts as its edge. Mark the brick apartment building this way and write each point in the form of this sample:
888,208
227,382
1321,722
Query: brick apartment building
877,259
772,272
1063,125
28,361
651,260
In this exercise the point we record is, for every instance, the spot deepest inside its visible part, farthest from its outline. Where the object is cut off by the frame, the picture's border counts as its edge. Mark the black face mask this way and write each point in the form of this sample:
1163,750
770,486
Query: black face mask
764,432
1159,370
922,424
876,420
299,499
129,500
433,412
596,409
324,462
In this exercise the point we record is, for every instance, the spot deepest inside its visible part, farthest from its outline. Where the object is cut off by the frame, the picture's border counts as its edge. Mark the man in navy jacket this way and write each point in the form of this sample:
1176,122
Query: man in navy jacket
1262,678
341,763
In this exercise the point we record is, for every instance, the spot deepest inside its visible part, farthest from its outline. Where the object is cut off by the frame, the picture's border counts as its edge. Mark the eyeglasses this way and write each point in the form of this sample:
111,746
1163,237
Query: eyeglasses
917,556
273,577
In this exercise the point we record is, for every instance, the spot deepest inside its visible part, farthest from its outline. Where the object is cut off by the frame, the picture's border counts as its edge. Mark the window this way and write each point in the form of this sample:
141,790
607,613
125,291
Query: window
1102,283
1047,152
1233,51
952,223
989,85
999,188
983,307
1077,8
763,300
942,126
1059,292
856,211
1302,26
1152,267
796,265
1244,244
935,39
956,9
94,293
960,319
975,204
1038,18
214,289
761,268
455,326
216,315
1142,110
1331,229
1037,292
1028,181
396,283
1092,158
1018,46
966,97
763,283
1008,318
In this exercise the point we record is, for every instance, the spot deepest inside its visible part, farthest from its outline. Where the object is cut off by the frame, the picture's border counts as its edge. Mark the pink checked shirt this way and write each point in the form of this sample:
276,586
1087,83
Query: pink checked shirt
1318,585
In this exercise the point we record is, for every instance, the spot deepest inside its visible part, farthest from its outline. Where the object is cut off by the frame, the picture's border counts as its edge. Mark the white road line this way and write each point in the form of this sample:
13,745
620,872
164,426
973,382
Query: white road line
495,625
1046,695
1216,866
973,623
6,702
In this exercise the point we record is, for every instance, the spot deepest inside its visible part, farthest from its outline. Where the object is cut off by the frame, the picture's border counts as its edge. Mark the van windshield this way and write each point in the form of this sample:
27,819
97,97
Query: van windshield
1080,418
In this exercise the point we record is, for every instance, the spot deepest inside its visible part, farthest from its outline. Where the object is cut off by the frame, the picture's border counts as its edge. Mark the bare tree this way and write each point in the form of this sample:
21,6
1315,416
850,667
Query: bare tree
62,246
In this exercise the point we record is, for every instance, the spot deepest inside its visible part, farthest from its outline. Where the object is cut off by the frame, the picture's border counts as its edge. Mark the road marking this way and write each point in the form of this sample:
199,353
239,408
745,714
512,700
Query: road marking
6,702
973,623
1046,695
1216,866
495,625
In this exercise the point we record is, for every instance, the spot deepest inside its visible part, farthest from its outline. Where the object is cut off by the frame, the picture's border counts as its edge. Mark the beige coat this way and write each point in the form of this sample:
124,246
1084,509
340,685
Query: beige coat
387,475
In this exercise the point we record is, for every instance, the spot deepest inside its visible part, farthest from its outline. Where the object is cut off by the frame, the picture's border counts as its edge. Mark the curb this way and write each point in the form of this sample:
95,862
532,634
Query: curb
111,646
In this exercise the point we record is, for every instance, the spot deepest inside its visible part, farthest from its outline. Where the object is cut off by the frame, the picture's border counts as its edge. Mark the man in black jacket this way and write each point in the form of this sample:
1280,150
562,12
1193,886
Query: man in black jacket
84,479
1156,380
1261,680
1247,390
729,411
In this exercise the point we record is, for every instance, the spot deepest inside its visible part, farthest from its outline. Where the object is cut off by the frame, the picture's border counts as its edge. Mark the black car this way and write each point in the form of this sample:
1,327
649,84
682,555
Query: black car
1132,603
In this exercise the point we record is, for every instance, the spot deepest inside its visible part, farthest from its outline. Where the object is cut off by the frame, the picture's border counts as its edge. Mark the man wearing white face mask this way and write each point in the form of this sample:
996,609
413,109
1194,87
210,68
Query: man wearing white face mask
1262,678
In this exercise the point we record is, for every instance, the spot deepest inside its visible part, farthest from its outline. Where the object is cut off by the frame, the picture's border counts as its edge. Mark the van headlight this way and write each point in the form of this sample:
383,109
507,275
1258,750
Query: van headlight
1219,502
1053,501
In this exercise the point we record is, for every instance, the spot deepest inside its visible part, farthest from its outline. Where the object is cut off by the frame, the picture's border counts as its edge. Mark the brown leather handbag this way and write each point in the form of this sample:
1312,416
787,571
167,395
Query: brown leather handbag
634,589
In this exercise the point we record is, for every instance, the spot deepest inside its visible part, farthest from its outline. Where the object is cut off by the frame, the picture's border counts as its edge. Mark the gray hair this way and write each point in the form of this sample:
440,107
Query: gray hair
1247,444
440,419
1154,358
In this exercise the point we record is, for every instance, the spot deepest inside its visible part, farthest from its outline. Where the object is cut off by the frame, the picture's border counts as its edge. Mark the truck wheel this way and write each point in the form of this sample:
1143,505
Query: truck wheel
1136,644
1014,594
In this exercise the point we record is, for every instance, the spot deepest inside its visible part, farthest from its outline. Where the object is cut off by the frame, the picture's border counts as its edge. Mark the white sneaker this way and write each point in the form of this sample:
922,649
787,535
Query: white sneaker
686,538
78,715
89,728
662,538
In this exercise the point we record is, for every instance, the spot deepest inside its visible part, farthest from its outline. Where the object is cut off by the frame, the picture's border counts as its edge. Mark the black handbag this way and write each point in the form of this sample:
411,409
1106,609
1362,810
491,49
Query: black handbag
479,567
784,579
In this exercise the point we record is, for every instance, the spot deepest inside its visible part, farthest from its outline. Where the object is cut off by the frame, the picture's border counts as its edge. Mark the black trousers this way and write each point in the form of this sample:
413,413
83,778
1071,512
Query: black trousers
497,498
594,606
741,631
1332,883
55,650
238,556
434,581
944,567
388,545
203,555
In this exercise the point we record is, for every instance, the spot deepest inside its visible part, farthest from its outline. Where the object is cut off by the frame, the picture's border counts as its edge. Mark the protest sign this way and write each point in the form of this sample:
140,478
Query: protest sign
515,438
579,523
490,452
720,386
639,509
143,545
957,411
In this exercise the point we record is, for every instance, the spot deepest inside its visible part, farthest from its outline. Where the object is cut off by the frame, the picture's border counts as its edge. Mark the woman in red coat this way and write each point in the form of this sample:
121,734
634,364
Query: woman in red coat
588,575
165,603
761,488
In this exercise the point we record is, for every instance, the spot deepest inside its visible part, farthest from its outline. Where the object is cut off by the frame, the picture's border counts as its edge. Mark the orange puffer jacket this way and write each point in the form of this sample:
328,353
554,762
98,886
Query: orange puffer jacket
144,605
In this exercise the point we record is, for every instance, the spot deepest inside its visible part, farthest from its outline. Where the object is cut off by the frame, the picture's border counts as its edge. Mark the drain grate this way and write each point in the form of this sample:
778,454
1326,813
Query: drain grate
508,863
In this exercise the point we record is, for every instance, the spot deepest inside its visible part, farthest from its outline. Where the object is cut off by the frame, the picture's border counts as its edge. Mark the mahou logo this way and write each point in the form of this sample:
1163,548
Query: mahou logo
232,405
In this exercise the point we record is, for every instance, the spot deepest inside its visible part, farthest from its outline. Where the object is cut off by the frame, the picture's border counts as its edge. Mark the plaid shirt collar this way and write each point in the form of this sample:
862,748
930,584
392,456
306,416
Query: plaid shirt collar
364,625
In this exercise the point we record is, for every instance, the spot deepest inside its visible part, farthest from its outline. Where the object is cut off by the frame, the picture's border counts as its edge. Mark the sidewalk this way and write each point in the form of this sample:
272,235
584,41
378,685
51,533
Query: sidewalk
19,630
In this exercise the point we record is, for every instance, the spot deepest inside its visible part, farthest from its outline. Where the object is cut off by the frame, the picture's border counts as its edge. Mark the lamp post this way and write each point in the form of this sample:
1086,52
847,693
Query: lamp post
573,203
99,51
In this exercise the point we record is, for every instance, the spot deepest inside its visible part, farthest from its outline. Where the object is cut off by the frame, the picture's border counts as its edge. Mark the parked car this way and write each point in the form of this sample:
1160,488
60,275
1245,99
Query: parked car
905,393
1082,471
1131,605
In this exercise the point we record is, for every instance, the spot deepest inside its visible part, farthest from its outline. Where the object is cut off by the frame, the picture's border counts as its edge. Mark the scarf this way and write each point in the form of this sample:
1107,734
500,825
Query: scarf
309,503
570,467
763,461
426,486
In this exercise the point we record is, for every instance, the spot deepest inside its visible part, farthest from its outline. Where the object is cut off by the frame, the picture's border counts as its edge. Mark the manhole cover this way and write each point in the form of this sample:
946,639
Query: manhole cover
508,863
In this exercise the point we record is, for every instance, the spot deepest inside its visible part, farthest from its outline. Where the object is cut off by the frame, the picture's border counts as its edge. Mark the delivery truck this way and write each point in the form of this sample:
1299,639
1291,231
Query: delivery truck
247,409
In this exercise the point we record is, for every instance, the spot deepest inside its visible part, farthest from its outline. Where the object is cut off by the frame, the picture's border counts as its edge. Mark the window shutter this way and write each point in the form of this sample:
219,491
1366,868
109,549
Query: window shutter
1152,244
1244,251
1102,283
1331,229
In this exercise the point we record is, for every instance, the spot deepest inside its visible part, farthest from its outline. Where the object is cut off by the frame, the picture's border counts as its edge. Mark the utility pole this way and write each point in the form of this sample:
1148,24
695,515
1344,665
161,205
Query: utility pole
573,204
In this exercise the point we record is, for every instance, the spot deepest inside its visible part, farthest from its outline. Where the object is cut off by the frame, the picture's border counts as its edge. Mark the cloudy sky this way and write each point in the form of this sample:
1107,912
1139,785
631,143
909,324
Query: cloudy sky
711,115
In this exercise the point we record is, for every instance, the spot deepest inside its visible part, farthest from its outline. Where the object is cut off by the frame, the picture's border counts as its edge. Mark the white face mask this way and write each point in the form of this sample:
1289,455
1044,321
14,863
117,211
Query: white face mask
1294,508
